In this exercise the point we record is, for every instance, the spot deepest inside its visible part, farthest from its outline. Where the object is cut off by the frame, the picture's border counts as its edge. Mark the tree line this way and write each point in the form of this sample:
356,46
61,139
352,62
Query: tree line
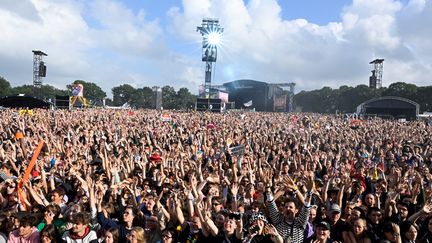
125,93
345,99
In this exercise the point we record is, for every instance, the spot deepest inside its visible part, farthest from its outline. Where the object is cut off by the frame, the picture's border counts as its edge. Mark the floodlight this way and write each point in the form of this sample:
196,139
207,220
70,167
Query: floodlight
214,38
211,33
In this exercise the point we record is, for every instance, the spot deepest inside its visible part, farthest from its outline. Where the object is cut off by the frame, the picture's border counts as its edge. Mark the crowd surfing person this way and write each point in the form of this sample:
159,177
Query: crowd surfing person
118,176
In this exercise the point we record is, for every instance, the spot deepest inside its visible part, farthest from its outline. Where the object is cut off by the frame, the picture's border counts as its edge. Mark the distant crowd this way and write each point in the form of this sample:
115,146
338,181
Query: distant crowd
97,175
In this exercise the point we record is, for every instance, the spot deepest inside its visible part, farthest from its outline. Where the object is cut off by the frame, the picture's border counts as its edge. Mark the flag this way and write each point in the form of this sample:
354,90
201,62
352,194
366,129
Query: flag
248,104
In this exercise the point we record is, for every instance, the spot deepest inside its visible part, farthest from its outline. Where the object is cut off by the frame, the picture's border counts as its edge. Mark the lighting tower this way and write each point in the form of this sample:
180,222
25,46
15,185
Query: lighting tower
39,68
157,97
375,81
211,33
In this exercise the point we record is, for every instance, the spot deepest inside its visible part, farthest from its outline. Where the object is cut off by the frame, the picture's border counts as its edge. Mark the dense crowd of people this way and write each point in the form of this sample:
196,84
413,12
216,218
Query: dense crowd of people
129,176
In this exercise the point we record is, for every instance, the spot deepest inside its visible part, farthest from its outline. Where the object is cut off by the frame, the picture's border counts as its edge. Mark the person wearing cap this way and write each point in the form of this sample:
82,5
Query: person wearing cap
321,235
337,224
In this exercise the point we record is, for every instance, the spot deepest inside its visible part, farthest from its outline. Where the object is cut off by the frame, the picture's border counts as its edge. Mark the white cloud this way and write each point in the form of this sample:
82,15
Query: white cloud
260,44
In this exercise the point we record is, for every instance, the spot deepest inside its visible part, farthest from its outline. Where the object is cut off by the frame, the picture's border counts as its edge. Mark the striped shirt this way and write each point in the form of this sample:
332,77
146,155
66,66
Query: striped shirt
292,233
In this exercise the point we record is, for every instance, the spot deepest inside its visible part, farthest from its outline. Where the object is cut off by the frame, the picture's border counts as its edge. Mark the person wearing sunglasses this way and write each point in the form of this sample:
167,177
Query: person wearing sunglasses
8,194
169,236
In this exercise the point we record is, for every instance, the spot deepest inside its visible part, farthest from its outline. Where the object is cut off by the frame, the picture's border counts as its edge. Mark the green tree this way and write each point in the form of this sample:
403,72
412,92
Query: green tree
142,98
109,102
122,94
92,91
23,89
423,97
169,98
307,100
4,87
401,89
45,91
343,95
327,100
185,99
358,95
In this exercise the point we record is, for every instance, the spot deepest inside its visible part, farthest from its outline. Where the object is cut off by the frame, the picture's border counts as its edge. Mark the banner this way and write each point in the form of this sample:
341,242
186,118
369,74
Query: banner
279,102
248,104
166,117
238,150
223,96
78,90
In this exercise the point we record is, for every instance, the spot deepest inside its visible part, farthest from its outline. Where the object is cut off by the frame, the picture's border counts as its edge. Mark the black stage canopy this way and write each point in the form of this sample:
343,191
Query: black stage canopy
23,102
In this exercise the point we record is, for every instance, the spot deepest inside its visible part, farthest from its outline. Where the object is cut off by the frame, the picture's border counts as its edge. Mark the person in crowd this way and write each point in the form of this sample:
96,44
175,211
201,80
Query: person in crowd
409,232
321,235
288,224
169,235
425,233
260,231
391,233
111,235
153,231
338,226
51,216
358,234
49,234
80,231
26,233
136,235
374,223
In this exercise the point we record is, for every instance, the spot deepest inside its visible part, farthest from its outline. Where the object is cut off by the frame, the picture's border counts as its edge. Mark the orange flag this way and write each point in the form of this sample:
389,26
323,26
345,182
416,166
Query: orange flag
29,170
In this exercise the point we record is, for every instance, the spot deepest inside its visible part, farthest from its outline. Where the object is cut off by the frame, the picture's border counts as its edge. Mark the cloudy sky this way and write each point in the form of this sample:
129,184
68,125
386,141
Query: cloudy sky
313,43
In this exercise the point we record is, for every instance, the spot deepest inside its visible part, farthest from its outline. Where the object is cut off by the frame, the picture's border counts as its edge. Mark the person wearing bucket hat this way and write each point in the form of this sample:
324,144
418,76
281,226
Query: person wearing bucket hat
260,231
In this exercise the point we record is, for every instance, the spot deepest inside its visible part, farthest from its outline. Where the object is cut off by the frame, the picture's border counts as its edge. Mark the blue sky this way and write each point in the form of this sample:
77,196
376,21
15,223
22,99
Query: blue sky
316,11
313,43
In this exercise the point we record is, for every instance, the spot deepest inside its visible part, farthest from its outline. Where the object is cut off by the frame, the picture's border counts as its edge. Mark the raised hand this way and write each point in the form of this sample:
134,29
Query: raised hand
271,230
310,183
90,183
289,183
427,208
234,189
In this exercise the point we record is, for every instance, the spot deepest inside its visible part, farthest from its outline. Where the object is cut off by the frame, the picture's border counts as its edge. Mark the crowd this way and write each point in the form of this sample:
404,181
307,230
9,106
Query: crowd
130,176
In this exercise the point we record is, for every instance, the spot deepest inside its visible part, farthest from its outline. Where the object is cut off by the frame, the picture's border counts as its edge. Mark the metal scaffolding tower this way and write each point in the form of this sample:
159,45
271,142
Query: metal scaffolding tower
290,93
375,81
157,97
39,68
